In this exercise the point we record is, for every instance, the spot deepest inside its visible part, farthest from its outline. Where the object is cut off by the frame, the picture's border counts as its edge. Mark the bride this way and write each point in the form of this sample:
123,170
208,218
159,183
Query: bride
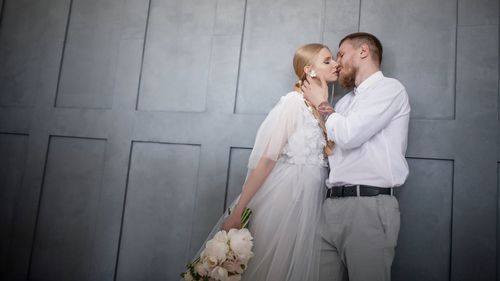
285,181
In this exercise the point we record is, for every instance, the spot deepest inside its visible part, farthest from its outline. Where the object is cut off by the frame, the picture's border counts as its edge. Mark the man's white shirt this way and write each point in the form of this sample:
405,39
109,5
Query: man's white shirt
370,131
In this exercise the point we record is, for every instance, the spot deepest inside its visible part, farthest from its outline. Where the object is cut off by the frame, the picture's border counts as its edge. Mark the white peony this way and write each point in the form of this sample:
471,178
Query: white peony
219,273
225,256
236,277
209,262
241,242
233,266
202,268
216,249
221,236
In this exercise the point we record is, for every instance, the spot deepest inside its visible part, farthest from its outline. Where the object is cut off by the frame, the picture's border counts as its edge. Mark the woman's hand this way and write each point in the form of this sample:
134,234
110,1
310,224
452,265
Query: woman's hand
232,221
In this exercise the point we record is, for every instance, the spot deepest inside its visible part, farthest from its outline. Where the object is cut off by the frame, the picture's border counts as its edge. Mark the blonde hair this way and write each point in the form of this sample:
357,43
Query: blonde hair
304,56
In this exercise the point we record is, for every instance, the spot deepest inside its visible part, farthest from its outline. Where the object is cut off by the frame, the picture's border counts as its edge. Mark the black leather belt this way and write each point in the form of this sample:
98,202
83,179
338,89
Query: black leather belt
352,190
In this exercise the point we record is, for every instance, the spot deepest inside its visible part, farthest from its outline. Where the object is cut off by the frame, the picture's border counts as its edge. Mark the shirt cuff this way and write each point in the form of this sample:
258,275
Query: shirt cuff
330,124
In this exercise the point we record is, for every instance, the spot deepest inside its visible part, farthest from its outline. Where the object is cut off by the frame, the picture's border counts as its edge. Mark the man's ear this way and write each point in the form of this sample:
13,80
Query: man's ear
364,50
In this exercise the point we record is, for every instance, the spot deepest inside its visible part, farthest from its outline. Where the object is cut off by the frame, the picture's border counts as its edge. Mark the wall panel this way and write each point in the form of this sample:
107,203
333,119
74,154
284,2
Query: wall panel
21,38
13,150
177,55
67,213
424,245
419,38
264,77
89,56
158,211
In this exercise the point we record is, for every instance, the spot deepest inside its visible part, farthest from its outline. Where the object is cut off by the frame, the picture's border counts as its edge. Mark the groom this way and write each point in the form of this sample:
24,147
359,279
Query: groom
369,126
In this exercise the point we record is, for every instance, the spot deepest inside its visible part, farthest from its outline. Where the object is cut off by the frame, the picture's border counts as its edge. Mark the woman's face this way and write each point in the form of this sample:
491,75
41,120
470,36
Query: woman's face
325,66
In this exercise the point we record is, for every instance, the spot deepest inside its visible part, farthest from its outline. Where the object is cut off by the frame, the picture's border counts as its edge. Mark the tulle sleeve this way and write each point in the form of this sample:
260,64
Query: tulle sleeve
277,127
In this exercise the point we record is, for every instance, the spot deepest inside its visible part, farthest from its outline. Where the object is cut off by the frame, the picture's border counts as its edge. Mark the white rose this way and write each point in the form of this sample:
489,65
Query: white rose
241,242
219,273
216,249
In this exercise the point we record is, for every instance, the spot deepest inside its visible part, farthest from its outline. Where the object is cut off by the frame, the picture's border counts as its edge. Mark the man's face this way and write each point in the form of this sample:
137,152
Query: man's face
345,59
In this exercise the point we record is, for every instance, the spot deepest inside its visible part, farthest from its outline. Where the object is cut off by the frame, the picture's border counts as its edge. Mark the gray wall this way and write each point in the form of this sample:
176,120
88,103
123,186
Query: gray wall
125,126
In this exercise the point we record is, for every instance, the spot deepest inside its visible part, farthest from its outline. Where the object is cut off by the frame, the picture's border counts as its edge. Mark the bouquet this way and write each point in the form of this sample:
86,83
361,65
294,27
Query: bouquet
225,256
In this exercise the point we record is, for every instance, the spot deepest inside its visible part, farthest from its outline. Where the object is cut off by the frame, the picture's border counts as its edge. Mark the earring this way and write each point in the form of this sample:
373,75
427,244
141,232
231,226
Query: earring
312,73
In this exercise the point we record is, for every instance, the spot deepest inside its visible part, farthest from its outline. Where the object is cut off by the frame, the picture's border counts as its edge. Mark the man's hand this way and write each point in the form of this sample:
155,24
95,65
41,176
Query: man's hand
315,91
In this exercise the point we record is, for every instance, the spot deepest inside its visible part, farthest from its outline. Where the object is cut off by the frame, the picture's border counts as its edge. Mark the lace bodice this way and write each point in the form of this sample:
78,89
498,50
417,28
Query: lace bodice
305,144
290,134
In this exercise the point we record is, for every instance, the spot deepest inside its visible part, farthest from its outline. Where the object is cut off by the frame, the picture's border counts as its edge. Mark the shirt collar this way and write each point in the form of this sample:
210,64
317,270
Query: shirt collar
368,82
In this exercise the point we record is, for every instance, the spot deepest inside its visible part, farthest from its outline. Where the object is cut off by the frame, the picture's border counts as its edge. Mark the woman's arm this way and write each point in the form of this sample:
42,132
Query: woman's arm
254,181
272,136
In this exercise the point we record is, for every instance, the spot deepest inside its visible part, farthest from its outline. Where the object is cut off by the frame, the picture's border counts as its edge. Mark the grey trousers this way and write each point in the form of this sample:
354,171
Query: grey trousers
359,236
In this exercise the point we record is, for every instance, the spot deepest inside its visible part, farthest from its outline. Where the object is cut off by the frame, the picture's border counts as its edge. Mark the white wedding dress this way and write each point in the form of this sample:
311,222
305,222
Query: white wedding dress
287,206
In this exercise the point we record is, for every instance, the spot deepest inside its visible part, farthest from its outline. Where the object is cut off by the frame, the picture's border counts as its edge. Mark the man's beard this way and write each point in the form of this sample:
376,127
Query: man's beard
347,78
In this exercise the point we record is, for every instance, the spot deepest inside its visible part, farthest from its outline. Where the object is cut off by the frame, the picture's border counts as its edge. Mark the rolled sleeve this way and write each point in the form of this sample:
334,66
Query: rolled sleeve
369,117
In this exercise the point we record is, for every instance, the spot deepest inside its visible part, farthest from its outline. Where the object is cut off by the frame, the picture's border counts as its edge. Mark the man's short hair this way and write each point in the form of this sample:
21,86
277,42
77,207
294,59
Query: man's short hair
373,43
